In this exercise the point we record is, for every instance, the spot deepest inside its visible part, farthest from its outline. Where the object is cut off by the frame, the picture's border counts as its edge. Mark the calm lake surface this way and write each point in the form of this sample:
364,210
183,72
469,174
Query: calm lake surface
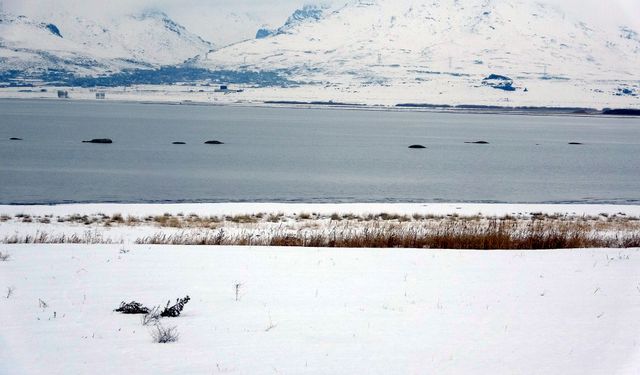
309,155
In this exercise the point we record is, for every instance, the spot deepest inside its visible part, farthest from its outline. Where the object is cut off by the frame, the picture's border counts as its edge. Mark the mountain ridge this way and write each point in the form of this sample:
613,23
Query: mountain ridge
87,47
447,47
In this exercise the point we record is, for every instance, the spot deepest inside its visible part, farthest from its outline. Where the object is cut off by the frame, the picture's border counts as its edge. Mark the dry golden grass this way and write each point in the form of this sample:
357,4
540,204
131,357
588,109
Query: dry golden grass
493,234
537,231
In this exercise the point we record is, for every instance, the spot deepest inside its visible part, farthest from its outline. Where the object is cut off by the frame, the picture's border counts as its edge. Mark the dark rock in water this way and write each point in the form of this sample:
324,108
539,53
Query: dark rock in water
478,143
15,139
99,140
179,143
575,143
417,146
213,143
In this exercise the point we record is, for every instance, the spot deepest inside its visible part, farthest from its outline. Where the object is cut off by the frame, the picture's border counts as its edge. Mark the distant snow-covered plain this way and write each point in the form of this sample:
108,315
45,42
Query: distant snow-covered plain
435,93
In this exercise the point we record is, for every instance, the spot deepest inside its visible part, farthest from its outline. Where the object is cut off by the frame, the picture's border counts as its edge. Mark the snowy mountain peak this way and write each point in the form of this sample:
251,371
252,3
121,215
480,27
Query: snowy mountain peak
65,42
308,13
447,35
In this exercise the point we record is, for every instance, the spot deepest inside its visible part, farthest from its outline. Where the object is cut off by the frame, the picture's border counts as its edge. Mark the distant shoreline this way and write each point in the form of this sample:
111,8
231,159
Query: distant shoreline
243,208
400,107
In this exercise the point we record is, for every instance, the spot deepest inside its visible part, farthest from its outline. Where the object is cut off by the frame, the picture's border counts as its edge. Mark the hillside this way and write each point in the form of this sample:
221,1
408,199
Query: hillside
87,47
446,47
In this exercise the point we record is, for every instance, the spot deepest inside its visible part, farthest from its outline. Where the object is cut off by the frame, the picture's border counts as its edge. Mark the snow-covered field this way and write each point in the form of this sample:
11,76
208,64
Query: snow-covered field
273,310
311,311
437,92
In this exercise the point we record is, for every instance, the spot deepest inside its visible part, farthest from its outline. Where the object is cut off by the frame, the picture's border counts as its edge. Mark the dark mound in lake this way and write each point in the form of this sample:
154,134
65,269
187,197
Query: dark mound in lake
15,139
99,140
213,143
575,143
179,143
417,146
478,143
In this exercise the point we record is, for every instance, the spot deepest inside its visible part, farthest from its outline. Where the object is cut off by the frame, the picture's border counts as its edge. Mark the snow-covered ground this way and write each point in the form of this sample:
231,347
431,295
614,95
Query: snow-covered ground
437,92
311,311
213,209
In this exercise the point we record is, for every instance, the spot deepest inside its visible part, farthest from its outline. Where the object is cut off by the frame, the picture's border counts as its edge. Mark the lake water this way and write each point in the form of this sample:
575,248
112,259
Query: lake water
309,155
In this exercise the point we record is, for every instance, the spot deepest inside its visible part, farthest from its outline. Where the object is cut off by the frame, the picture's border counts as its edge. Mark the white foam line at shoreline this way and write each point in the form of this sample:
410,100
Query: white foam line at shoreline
217,209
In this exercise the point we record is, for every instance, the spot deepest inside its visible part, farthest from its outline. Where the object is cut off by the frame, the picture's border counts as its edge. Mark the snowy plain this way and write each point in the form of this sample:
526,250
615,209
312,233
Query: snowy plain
439,92
316,311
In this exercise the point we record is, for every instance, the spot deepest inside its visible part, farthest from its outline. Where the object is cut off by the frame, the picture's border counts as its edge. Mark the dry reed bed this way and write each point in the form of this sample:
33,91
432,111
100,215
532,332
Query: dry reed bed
43,237
535,231
494,234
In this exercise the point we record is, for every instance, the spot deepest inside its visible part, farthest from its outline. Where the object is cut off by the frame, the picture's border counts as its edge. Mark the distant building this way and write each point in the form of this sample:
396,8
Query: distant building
101,95
225,89
63,94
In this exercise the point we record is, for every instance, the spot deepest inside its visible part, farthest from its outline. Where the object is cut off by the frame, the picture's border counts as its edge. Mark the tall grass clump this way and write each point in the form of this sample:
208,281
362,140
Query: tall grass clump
163,335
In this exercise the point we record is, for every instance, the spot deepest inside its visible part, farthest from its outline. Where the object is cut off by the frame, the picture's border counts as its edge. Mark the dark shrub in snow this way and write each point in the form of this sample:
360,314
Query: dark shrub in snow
175,310
132,307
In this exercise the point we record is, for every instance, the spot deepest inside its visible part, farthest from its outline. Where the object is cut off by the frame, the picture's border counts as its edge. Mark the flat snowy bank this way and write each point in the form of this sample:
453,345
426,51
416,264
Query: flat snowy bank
312,311
441,226
438,90
202,209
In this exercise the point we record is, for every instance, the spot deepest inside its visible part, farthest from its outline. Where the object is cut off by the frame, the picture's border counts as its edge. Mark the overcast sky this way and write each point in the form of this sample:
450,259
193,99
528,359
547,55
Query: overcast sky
226,21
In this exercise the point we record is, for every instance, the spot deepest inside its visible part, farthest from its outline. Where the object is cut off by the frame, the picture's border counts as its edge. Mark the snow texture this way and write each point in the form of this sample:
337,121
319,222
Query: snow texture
87,47
315,311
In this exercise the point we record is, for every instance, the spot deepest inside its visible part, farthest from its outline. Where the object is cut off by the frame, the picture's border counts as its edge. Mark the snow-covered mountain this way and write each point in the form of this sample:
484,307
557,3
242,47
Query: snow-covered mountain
309,13
437,44
488,52
87,47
